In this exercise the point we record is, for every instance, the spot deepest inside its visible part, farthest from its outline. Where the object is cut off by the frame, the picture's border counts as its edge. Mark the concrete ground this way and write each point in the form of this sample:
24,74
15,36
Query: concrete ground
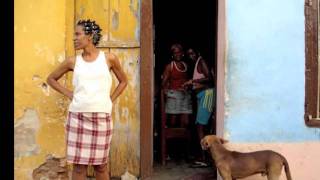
182,171
177,171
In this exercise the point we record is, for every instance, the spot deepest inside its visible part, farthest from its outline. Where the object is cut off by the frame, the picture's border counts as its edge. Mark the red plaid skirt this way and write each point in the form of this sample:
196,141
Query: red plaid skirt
88,136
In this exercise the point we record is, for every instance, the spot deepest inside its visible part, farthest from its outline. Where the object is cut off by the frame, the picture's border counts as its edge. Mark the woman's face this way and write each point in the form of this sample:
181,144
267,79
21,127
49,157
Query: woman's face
177,54
192,55
81,40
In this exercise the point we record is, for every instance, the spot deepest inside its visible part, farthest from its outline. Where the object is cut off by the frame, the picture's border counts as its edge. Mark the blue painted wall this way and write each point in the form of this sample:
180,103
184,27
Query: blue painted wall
265,72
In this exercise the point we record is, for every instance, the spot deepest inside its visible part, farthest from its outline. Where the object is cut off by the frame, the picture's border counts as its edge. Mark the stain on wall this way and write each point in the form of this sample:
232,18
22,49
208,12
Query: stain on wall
115,20
25,134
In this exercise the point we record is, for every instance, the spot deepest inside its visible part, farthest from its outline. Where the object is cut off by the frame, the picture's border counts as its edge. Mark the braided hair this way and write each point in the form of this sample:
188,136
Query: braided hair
91,28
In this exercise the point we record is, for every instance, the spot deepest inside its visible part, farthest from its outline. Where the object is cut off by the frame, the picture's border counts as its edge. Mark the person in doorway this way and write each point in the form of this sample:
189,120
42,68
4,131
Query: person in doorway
89,124
178,100
202,84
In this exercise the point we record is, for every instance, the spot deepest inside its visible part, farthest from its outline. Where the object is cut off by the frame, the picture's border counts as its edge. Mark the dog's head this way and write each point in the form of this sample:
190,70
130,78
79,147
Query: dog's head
209,140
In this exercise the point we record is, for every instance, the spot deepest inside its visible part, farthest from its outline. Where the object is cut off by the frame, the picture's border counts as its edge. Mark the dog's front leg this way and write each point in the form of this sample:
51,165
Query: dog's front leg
227,177
225,173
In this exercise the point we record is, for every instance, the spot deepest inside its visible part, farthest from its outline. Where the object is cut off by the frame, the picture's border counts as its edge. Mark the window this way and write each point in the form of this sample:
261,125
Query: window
312,86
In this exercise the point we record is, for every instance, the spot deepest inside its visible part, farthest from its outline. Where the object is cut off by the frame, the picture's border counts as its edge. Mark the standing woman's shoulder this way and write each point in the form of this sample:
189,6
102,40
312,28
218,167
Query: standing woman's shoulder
112,60
71,61
68,63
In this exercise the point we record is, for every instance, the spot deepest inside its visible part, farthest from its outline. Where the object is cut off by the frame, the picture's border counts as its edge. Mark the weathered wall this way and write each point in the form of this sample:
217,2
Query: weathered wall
39,112
43,38
265,82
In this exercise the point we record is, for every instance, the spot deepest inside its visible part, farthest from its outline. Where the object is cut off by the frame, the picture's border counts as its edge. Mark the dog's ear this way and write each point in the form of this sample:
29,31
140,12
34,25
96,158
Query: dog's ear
223,141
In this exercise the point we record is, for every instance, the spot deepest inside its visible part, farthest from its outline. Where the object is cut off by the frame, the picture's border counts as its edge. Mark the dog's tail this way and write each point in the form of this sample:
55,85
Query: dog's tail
286,168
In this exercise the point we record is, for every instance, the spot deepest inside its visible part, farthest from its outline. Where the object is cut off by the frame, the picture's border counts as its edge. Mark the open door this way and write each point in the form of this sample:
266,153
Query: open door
193,24
148,79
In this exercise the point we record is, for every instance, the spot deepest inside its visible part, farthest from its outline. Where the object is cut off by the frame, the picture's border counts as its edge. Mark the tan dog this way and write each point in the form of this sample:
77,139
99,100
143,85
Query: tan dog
233,165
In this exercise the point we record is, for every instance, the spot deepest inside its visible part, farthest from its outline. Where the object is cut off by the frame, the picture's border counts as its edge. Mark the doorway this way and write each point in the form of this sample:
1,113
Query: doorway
147,81
191,24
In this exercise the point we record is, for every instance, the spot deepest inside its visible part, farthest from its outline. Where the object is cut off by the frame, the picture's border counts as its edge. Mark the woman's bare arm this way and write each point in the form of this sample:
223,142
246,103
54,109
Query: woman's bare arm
53,78
165,77
120,75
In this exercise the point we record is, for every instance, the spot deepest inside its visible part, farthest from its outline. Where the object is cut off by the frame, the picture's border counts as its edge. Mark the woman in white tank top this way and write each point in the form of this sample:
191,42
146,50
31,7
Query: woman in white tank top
89,124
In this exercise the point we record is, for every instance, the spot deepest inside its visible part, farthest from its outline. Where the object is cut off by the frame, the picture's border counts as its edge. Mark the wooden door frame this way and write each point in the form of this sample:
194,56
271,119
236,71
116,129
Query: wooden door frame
147,80
146,89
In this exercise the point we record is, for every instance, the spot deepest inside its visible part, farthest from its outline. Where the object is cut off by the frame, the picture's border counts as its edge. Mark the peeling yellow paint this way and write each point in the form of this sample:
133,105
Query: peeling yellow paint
127,20
43,33
125,145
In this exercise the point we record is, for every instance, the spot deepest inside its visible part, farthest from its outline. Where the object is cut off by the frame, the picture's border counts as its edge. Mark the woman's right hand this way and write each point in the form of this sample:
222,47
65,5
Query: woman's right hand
188,83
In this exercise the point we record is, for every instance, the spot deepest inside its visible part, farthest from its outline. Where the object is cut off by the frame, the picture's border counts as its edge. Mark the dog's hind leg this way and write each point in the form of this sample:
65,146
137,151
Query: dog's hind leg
274,173
273,177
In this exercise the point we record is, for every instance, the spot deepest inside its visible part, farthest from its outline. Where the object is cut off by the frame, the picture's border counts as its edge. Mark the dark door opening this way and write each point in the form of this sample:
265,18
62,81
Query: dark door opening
189,23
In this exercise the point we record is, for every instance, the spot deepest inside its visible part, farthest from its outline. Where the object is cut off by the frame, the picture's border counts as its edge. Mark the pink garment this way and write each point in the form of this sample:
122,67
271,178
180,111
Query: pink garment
196,74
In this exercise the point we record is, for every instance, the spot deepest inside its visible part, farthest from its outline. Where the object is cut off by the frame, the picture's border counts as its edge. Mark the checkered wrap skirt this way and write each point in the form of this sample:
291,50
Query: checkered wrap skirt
88,136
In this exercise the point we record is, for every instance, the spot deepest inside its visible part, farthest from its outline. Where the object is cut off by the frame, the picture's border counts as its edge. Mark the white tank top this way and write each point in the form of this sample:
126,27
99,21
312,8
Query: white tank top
92,84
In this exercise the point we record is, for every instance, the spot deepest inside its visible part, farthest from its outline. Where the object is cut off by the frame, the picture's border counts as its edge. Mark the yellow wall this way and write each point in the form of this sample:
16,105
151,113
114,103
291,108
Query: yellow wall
43,38
39,112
